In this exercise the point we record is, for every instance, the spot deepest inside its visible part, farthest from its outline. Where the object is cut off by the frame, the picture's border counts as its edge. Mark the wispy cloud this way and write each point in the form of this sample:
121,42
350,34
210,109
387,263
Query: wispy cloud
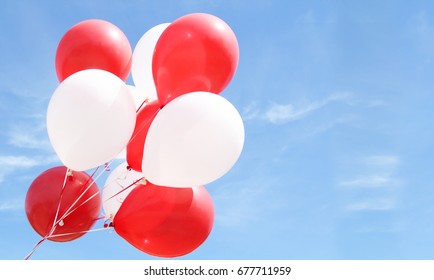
27,140
18,161
376,204
11,163
278,113
29,134
369,181
379,171
12,205
376,188
250,112
384,161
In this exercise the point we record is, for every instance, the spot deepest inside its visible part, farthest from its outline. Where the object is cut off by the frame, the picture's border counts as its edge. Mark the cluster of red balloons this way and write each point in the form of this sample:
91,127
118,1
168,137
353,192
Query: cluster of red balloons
176,131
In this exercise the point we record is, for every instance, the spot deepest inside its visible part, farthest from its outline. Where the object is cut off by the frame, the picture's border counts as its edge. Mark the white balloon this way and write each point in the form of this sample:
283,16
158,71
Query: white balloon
90,119
141,67
195,139
119,184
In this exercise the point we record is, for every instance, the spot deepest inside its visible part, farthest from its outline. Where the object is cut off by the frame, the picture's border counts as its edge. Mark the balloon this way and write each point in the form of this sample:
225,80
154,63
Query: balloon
193,140
141,67
165,222
196,52
45,195
136,145
121,181
90,119
93,44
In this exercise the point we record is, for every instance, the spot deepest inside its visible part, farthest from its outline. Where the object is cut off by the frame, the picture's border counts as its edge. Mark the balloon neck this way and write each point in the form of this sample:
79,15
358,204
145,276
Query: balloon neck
143,181
69,173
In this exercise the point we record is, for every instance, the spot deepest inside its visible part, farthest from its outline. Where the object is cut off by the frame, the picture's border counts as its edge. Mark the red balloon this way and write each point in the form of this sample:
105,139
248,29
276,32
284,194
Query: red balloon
94,44
45,194
137,142
196,52
165,222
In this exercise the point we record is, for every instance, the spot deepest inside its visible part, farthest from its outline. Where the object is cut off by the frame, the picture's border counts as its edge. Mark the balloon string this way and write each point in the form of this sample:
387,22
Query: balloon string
77,232
84,202
55,222
68,212
140,107
93,173
71,209
60,235
124,189
34,248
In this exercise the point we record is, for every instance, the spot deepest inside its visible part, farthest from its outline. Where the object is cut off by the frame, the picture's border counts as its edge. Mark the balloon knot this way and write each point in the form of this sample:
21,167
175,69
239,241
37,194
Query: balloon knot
109,225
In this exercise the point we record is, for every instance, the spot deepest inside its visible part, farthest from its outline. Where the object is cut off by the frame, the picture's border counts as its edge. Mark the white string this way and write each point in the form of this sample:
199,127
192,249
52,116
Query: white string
53,227
60,235
69,211
84,202
77,232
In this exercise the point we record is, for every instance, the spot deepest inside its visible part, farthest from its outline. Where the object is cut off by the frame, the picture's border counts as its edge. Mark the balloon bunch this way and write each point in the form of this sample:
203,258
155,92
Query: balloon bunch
178,133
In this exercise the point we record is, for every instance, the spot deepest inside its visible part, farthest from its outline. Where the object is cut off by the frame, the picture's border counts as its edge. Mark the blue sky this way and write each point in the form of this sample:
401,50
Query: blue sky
336,98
